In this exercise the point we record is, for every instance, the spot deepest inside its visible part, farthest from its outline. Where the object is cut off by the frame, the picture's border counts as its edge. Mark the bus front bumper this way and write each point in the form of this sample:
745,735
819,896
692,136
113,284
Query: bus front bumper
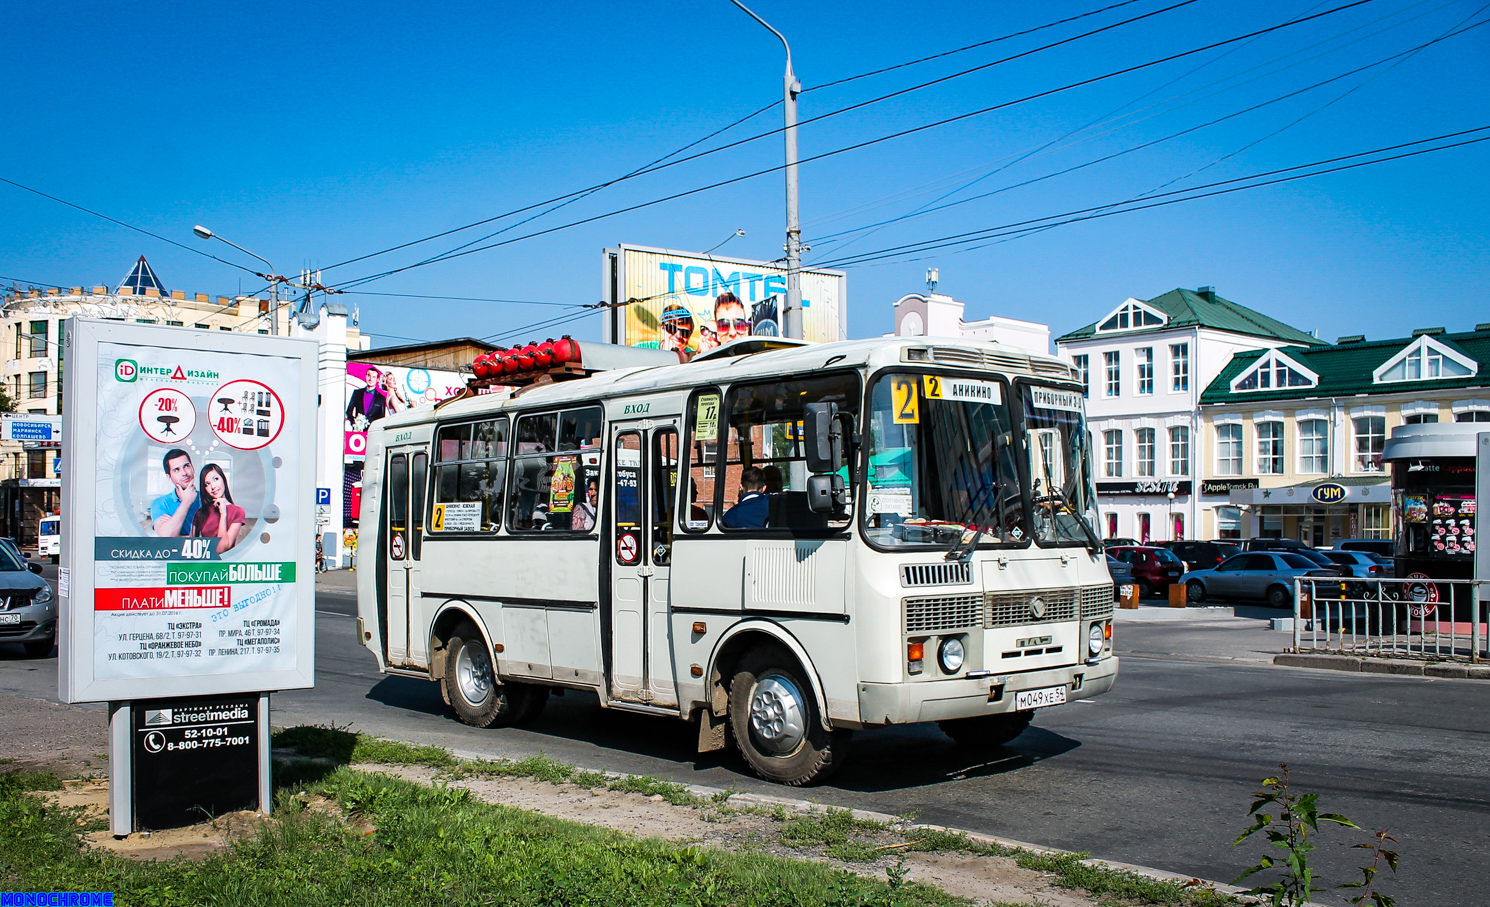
883,704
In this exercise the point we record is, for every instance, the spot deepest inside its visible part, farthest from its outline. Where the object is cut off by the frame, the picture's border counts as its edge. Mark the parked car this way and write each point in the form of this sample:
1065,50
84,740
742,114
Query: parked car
1273,545
1153,568
15,549
1257,575
28,614
1115,542
1197,555
1122,575
1361,563
1383,547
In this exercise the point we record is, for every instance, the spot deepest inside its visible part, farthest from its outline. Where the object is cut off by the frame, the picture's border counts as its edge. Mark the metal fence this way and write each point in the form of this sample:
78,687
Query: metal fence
1440,620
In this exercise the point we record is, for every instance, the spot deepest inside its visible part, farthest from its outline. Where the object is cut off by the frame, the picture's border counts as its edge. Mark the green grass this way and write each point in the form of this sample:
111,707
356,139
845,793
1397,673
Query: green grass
430,845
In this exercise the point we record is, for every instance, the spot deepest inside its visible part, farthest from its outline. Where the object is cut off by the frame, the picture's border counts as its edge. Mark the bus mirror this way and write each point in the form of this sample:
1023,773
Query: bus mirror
826,494
821,438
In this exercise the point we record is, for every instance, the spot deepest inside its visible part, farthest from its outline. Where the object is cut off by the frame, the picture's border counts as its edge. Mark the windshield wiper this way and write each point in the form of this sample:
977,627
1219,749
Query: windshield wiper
1059,496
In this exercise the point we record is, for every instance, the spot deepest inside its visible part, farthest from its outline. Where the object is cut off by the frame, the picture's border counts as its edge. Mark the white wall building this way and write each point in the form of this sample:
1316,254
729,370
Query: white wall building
935,315
1145,364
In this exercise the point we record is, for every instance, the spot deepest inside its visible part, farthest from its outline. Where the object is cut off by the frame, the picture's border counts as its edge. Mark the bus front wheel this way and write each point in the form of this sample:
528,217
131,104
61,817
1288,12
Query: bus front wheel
986,731
470,684
775,721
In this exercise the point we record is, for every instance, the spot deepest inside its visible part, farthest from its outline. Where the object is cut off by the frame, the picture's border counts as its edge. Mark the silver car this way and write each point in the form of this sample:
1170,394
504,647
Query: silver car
28,614
1258,575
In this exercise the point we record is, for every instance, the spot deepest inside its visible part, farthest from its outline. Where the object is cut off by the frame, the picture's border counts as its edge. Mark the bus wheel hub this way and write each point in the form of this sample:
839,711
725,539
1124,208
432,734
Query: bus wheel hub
473,672
778,715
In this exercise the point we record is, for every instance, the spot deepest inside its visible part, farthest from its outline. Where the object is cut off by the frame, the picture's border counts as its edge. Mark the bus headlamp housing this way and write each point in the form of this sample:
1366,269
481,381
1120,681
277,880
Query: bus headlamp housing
1096,637
951,655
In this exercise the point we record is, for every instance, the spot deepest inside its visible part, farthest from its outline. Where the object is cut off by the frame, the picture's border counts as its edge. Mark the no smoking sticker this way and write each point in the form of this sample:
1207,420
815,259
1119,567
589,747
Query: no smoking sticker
167,415
396,548
626,548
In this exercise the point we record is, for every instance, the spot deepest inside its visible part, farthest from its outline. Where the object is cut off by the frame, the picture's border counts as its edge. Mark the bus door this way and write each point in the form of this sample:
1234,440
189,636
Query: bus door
644,480
407,480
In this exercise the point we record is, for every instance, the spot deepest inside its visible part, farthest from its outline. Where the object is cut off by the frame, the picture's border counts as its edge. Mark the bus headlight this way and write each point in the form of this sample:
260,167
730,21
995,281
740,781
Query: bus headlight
951,655
1095,638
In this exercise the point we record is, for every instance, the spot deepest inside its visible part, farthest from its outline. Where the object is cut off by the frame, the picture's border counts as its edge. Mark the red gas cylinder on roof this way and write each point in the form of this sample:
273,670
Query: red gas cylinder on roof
525,358
565,350
482,365
543,354
509,361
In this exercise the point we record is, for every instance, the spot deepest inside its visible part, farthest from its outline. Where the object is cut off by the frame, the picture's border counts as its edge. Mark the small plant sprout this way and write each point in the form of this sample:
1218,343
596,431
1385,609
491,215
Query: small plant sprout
1298,818
1379,854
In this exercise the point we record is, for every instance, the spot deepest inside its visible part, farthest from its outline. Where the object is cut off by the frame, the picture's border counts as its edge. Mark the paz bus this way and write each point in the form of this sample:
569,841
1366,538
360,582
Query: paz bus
921,545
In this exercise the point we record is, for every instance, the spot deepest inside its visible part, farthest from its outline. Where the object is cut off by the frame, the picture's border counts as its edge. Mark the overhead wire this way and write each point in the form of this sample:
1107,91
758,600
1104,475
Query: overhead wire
866,143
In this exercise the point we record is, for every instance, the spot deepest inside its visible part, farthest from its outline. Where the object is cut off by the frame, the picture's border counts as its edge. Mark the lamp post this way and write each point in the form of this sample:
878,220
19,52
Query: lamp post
273,278
793,319
1172,535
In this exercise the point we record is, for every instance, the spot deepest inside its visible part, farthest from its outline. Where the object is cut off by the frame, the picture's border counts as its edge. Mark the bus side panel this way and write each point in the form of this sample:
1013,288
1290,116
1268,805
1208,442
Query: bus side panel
372,602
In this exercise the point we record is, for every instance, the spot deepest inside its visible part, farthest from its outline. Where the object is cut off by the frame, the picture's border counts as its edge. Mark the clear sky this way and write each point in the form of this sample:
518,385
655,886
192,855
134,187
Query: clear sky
312,133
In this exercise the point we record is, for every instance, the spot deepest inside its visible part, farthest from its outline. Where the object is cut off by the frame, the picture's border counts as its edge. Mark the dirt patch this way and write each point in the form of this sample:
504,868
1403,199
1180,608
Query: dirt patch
42,736
980,879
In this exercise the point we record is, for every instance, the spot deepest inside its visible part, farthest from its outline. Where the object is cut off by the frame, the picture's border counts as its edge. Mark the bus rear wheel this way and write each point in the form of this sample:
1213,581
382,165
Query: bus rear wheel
987,731
470,684
775,721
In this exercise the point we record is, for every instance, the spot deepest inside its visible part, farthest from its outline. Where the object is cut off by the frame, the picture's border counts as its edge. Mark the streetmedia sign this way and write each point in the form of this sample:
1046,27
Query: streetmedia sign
693,302
187,566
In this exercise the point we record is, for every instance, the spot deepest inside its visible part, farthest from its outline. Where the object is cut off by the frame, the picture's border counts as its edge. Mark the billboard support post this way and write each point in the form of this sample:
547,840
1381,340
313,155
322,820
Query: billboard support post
187,585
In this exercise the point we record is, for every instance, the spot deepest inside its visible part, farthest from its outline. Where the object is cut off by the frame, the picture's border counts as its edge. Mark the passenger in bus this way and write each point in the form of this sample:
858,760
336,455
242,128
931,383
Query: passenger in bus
772,477
583,518
754,505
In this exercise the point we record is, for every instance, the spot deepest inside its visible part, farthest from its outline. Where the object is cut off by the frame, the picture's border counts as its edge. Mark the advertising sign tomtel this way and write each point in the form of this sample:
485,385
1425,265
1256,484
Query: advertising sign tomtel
186,563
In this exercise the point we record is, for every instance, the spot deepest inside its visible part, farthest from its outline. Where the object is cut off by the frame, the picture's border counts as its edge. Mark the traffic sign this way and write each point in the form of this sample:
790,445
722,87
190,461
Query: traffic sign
323,497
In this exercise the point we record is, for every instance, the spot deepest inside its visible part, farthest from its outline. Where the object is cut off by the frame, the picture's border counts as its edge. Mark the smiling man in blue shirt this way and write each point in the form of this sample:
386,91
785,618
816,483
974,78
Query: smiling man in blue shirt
171,513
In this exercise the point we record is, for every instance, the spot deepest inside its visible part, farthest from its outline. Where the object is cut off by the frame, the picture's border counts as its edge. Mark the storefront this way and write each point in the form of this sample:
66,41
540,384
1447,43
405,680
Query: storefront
1321,514
1153,510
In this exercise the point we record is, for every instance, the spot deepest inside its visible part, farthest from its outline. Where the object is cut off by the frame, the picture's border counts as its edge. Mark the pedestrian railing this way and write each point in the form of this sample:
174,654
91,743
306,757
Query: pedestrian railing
1435,619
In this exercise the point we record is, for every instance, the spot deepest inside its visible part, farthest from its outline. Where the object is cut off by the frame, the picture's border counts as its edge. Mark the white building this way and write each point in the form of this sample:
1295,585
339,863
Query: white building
1145,364
935,315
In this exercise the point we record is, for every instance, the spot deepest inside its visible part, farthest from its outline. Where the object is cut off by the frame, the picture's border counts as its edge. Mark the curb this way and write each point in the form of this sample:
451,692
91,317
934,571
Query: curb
808,807
1365,665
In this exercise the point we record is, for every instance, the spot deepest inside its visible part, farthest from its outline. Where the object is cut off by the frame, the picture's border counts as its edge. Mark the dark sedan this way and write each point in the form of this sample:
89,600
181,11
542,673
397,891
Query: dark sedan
28,614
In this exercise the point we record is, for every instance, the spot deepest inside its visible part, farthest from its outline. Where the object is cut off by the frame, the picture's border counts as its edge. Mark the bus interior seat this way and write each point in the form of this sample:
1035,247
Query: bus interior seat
789,510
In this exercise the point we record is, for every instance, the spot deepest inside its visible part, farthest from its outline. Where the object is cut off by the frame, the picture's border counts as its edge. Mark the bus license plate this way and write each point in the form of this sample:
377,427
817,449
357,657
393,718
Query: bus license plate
10,618
1035,699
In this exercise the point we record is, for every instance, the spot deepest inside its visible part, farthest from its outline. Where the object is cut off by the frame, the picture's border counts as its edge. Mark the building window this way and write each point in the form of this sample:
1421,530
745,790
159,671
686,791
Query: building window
1082,364
176,324
1179,526
36,464
1314,454
1179,450
1370,439
1144,439
1376,521
1113,362
1229,450
1144,529
38,385
1112,525
1275,371
1425,359
1179,366
38,338
1145,370
1132,314
1473,415
1228,523
1421,419
1113,461
1270,448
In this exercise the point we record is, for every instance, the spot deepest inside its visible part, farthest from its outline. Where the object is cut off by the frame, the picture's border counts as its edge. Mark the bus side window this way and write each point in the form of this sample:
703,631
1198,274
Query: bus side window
416,509
664,492
470,477
398,504
703,459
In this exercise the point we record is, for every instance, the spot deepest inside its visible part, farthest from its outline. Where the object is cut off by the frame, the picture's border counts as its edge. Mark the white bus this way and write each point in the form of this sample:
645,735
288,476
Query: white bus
923,547
49,537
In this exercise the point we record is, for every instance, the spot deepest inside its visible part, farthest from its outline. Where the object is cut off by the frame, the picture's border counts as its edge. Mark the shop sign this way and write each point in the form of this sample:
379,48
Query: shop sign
1150,486
1328,493
1226,486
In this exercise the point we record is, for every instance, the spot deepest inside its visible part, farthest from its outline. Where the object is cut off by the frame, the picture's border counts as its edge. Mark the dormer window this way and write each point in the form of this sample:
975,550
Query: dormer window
1130,315
1426,359
1275,371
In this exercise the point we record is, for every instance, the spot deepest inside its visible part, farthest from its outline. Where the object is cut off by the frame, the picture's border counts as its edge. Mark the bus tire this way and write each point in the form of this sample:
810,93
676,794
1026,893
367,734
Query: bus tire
470,683
987,731
775,722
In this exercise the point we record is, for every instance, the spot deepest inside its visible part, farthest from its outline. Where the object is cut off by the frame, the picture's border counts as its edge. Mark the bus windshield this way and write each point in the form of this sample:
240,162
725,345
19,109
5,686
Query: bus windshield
1061,489
941,460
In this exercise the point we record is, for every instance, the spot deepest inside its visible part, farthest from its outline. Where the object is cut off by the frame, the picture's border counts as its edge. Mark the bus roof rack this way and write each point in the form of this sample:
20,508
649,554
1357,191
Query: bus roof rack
749,346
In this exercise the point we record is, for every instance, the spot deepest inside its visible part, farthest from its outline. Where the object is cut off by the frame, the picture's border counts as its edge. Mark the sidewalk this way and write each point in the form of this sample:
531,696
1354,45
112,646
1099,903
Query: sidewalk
1231,634
337,581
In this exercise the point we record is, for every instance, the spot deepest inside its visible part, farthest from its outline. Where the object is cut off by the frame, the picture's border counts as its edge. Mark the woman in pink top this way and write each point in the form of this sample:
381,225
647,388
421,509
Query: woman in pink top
218,517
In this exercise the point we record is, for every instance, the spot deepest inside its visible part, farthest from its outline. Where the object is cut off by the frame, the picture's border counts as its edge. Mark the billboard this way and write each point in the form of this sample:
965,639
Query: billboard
375,390
693,302
187,528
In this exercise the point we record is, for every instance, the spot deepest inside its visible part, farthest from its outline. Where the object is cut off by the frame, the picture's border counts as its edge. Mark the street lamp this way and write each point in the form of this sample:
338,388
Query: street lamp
203,233
793,319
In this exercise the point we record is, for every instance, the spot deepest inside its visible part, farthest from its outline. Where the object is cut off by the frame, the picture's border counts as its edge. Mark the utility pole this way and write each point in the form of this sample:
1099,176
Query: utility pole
793,313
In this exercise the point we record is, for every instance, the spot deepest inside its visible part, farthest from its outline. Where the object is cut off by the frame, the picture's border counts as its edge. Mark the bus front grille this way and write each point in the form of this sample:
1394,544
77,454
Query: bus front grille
957,573
1010,609
942,612
1096,602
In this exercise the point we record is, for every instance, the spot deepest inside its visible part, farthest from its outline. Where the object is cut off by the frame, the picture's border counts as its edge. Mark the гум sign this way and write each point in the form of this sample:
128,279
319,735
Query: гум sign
1328,493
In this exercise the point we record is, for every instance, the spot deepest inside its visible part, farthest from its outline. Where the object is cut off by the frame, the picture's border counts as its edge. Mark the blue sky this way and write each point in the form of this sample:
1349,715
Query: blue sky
315,133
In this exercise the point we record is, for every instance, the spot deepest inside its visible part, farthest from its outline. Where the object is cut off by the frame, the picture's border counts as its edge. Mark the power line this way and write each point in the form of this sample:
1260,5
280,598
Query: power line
660,165
866,143
1104,210
569,305
115,220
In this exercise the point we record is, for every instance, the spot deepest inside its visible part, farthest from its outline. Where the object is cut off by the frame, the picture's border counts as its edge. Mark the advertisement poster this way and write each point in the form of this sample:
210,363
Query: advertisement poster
186,546
375,391
694,303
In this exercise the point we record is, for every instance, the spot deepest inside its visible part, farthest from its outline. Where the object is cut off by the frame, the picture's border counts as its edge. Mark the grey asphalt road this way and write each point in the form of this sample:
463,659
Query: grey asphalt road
1157,773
